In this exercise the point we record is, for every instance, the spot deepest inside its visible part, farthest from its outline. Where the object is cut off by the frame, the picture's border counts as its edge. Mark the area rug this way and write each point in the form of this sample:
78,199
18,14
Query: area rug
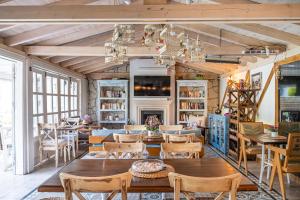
261,194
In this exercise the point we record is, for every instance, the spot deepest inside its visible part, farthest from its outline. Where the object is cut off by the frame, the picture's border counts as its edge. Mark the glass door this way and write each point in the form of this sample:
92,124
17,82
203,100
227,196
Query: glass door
7,147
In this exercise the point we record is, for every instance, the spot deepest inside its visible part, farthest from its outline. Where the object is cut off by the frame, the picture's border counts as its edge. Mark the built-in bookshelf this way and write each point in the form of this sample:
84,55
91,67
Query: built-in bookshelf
112,100
191,100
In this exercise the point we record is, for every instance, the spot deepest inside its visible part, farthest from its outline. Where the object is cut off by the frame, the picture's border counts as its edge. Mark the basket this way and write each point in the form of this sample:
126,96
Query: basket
160,174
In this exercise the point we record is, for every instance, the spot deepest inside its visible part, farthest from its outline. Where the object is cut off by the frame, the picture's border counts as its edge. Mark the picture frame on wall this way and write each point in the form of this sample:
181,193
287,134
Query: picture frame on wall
256,80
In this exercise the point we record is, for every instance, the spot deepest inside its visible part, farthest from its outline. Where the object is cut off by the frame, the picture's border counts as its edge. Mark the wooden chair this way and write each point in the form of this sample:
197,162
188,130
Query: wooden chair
123,138
77,184
291,163
179,138
49,141
72,122
124,150
190,184
181,150
130,128
177,128
245,129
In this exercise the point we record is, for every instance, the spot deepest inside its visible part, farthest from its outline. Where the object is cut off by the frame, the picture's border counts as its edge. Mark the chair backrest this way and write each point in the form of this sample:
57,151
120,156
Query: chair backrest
251,128
183,138
73,121
47,132
170,128
285,128
128,137
181,150
129,128
293,149
124,150
183,183
76,184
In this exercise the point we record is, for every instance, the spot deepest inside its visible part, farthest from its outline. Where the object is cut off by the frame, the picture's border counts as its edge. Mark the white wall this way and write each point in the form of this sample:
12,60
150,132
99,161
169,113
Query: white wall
266,111
147,67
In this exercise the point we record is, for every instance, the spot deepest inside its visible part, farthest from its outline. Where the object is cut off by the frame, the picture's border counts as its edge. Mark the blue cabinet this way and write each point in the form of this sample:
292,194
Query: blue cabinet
218,132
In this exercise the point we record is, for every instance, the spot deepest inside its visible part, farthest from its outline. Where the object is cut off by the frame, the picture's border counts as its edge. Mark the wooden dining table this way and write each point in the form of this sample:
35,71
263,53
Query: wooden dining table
208,167
147,140
266,140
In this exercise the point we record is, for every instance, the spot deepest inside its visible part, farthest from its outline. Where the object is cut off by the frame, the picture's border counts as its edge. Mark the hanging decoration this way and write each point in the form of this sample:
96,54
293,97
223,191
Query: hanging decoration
172,45
116,50
115,53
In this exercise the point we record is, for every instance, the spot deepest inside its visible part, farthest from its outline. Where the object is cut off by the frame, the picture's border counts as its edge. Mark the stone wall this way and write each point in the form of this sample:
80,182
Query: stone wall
181,73
213,95
92,100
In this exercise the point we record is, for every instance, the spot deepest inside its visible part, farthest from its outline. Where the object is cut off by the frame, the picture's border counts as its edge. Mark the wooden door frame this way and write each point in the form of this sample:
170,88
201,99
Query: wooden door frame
277,66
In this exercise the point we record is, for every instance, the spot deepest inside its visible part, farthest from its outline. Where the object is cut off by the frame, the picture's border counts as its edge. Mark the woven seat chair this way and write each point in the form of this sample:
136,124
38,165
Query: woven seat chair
245,145
189,184
113,184
290,164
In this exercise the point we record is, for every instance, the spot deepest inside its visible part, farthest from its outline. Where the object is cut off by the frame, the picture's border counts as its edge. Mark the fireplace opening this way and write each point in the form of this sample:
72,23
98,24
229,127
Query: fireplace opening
146,113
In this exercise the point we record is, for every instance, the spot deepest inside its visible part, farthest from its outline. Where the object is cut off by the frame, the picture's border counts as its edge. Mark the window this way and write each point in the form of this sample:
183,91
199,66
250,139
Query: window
74,99
54,98
37,99
64,98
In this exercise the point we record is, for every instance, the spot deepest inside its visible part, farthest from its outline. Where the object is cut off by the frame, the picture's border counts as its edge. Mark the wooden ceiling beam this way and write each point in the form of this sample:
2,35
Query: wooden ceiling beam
87,63
85,31
38,34
84,51
270,32
204,38
235,2
6,27
92,51
75,61
102,68
217,69
224,34
4,1
155,2
71,2
177,13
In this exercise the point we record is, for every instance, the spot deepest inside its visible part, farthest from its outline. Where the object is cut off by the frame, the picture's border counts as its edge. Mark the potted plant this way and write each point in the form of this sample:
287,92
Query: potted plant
273,130
152,123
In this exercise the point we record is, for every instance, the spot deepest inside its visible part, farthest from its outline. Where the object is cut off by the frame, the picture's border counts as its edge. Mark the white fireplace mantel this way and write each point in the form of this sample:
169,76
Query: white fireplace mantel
147,67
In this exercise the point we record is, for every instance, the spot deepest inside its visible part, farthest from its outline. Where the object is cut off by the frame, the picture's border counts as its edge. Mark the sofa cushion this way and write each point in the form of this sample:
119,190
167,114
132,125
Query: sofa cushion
196,131
106,132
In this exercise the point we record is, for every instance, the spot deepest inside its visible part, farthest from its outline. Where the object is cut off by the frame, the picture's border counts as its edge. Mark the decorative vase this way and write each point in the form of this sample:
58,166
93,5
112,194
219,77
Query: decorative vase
274,134
150,133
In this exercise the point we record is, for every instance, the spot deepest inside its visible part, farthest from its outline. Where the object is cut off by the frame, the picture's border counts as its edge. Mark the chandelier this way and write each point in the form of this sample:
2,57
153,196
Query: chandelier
168,61
116,50
123,34
115,53
192,51
172,45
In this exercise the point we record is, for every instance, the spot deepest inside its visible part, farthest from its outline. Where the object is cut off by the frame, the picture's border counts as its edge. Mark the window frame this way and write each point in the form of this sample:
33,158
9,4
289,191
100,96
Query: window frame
44,93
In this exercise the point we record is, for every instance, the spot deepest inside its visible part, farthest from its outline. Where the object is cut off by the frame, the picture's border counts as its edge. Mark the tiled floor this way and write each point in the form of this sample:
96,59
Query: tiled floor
16,187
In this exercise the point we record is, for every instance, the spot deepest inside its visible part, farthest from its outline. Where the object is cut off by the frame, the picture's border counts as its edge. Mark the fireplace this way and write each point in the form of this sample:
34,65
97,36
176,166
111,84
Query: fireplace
146,113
